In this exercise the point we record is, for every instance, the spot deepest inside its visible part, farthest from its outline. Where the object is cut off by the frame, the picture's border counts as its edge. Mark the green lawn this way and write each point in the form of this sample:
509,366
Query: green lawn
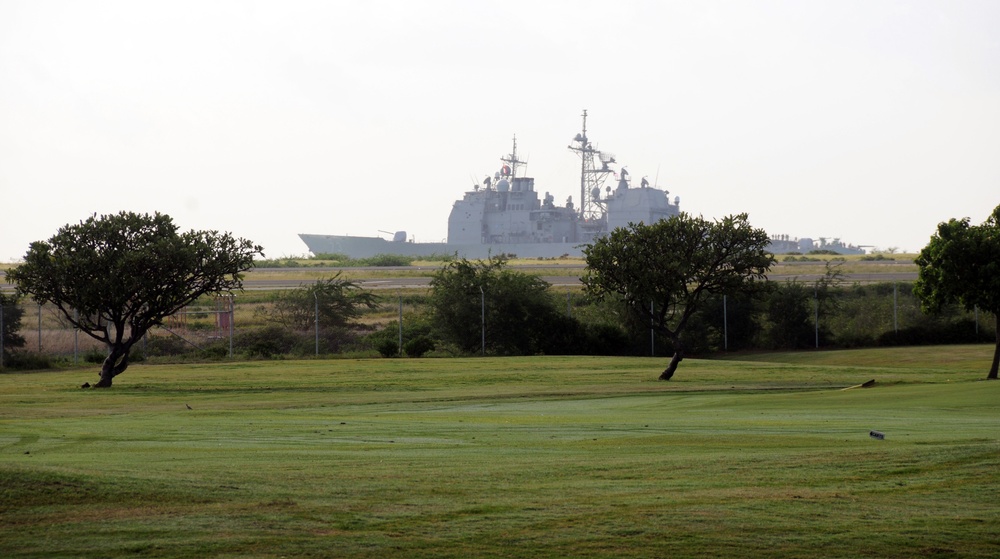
518,457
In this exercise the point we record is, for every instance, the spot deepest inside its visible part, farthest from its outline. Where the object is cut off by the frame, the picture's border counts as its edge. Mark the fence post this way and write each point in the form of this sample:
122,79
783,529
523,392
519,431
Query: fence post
76,339
400,296
895,307
232,326
39,328
725,325
482,325
1,333
816,301
316,318
652,332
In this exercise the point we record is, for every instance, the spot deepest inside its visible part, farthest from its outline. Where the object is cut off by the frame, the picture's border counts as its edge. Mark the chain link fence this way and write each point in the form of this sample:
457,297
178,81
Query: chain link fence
224,327
46,331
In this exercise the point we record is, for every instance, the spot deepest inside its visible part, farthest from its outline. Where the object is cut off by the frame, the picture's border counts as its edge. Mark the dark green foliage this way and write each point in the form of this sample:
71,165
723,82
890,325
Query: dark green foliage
387,347
385,260
27,361
946,332
867,312
664,272
12,315
606,339
116,276
94,355
788,317
961,263
165,346
519,312
287,262
876,258
790,311
386,339
825,252
266,342
723,323
558,334
418,346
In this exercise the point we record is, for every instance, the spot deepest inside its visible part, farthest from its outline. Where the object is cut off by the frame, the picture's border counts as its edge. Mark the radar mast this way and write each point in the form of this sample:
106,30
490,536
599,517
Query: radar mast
594,170
512,161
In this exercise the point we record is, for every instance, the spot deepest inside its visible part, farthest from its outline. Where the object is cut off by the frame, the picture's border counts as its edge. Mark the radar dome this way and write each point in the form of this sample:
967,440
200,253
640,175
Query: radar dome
503,186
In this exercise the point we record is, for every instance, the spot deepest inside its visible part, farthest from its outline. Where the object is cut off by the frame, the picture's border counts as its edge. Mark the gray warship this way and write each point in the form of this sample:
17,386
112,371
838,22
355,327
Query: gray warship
505,214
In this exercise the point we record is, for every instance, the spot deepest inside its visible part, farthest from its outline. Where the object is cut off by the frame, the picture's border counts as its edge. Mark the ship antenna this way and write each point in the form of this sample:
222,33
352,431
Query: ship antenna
594,170
512,159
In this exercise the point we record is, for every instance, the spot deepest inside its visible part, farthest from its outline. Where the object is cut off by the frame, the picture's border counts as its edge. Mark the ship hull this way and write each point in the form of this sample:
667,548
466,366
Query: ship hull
367,247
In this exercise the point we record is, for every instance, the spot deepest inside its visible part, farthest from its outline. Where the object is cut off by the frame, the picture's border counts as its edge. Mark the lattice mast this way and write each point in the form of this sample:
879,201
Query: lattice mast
594,170
511,161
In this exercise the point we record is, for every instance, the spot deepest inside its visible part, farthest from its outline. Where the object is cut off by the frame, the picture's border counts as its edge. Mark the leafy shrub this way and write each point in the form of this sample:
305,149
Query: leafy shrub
25,361
94,355
277,263
418,346
605,339
339,303
266,342
216,350
387,347
163,346
386,260
386,339
12,313
875,257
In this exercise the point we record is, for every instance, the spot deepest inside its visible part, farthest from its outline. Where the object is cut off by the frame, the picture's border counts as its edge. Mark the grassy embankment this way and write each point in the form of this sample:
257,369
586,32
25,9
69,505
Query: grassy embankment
525,457
310,270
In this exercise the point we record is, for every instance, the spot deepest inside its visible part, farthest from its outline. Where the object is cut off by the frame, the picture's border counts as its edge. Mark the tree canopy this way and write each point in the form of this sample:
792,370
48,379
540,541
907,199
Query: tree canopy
116,276
961,264
663,272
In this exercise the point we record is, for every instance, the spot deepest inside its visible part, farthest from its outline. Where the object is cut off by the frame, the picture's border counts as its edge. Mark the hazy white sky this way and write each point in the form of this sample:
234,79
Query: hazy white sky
868,120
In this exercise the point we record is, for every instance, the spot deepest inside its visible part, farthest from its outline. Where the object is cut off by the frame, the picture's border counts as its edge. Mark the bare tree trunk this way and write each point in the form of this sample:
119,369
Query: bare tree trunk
668,373
114,365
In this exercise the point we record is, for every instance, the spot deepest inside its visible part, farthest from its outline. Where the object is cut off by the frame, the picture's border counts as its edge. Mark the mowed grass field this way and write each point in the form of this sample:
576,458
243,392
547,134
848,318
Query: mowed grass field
535,457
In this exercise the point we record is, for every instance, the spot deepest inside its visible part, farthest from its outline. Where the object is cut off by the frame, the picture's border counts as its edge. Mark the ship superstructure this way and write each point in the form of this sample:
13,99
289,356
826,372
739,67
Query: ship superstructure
506,209
504,214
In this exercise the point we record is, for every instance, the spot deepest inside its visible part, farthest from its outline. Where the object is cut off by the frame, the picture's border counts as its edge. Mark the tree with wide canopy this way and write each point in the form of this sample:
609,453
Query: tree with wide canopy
116,276
961,264
663,272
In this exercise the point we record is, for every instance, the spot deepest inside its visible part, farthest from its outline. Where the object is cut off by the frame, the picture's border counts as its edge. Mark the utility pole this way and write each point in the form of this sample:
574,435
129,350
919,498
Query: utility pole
482,324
